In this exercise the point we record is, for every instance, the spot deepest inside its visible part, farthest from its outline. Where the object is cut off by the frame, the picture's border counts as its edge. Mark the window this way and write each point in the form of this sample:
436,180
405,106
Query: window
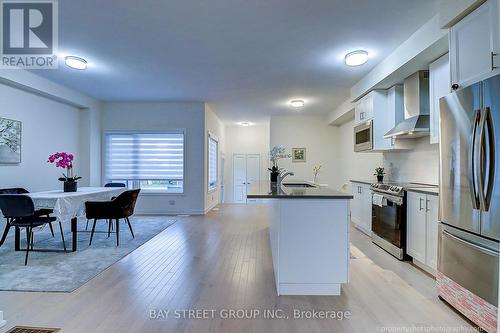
213,149
149,161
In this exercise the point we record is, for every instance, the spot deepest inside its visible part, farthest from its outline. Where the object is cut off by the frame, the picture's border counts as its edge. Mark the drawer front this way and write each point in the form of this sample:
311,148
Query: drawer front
468,261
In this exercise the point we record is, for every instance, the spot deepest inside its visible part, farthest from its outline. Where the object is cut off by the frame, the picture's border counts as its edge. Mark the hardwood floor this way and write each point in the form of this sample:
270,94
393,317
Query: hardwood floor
223,261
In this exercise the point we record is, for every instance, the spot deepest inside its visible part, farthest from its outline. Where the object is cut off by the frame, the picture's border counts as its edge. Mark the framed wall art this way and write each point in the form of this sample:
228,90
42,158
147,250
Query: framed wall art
10,141
298,154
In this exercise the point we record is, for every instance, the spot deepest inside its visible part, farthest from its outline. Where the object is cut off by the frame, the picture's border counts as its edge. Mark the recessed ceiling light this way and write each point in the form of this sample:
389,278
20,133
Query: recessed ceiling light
356,58
245,123
297,103
75,62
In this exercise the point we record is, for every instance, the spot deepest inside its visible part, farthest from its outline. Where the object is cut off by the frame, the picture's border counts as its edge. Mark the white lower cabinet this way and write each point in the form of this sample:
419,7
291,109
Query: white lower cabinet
422,230
361,207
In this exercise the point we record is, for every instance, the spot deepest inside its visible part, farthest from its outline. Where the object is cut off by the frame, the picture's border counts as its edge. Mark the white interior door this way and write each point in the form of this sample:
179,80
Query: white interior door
253,168
246,170
222,186
239,178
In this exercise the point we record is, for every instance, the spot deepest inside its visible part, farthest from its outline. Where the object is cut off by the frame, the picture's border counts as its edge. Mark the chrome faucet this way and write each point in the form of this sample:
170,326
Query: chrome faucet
284,174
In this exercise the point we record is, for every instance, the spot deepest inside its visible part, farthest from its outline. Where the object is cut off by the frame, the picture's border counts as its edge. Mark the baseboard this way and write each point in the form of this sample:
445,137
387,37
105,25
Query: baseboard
211,207
424,267
310,289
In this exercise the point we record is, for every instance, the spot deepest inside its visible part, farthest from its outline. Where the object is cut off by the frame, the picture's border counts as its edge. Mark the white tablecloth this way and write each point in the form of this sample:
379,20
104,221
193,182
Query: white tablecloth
67,205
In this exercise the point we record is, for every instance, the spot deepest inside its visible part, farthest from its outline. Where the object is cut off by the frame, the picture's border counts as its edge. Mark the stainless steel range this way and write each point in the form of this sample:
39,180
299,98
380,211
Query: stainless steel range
389,216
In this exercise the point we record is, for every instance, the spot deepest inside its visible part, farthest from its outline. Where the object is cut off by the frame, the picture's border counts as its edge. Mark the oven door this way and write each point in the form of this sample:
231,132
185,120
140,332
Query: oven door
389,221
363,137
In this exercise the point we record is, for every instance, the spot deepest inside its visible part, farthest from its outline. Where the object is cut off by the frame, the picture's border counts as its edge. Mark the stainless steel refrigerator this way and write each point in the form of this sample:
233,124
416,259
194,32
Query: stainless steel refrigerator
469,210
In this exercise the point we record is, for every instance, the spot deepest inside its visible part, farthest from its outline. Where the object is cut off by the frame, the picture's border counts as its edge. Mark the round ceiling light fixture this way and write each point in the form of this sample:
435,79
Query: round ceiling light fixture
356,58
75,62
245,123
297,103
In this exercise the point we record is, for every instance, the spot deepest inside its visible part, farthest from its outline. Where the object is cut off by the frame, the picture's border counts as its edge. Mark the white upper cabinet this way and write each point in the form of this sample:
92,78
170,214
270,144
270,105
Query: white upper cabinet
474,46
439,85
386,116
364,108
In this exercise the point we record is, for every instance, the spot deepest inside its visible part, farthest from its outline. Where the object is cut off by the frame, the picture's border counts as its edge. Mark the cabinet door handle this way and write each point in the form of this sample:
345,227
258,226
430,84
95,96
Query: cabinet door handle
421,200
493,55
427,202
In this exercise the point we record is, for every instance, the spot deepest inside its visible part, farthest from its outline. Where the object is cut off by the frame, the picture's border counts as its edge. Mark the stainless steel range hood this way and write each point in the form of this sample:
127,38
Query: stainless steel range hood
416,121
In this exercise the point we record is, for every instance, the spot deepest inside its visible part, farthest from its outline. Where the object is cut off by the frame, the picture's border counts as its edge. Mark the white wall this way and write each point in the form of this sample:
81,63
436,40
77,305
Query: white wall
34,86
214,126
421,164
352,165
314,134
48,126
167,116
244,140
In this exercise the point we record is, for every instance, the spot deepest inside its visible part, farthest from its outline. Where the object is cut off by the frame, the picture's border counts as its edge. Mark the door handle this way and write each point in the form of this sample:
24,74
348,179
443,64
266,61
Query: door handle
472,161
421,200
474,246
427,202
486,123
493,55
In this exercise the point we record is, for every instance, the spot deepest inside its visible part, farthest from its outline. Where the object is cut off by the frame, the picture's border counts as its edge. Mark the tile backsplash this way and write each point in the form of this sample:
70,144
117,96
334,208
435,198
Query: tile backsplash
421,164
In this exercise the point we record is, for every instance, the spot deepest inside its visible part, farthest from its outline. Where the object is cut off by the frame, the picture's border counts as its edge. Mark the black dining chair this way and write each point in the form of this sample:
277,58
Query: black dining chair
108,185
39,212
19,210
121,207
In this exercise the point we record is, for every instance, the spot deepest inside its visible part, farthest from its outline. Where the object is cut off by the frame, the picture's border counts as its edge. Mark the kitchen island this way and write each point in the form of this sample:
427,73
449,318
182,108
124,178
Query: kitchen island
309,234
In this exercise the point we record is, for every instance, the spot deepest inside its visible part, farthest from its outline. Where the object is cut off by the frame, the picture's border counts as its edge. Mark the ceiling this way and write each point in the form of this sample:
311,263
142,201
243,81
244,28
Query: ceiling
247,58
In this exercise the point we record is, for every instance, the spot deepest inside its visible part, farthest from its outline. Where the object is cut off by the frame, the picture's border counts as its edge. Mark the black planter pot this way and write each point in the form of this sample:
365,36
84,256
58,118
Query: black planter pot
380,179
70,186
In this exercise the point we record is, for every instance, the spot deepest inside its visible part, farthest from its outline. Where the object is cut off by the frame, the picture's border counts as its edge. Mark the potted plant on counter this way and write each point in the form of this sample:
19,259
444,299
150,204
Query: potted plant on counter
379,172
277,153
65,161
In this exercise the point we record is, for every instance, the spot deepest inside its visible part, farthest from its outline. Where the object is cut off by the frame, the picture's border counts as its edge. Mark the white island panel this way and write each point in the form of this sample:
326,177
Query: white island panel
310,245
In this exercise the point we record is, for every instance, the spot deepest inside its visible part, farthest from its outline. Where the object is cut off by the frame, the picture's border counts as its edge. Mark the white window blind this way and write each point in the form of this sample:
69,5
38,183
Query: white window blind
145,156
213,147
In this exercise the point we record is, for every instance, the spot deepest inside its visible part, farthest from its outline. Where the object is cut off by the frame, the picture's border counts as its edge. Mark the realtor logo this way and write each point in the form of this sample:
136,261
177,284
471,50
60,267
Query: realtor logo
29,34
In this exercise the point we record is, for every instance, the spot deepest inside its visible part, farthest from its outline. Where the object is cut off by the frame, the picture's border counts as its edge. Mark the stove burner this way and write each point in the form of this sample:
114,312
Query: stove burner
387,188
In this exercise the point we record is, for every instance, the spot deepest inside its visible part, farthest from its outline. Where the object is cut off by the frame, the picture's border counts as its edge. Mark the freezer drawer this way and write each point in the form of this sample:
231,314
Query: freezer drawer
470,261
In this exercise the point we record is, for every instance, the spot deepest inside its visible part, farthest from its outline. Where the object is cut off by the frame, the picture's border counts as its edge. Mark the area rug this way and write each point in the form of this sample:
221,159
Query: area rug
67,271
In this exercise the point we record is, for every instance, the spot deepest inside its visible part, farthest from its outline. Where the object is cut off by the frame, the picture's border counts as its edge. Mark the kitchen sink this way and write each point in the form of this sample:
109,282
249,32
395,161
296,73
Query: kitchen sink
298,185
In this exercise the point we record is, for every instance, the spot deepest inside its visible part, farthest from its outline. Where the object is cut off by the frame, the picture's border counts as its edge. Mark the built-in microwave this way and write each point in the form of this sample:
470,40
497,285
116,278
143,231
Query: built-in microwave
363,136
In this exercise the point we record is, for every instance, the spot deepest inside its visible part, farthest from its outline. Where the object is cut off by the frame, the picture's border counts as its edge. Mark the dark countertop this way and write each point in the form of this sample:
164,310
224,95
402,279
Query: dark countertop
264,190
367,182
426,190
409,187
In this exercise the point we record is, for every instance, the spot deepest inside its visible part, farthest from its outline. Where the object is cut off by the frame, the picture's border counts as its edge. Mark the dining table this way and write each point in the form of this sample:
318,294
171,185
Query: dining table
69,206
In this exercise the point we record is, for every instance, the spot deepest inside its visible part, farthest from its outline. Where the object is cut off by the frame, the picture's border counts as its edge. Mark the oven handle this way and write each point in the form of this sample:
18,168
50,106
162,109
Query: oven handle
397,200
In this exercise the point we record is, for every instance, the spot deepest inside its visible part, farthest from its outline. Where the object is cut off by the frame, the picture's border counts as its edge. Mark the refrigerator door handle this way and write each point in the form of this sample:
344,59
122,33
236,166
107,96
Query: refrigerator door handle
472,161
488,124
472,245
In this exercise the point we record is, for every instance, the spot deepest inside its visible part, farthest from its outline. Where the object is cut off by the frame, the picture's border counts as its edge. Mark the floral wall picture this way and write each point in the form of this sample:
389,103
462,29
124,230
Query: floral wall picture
10,141
298,154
